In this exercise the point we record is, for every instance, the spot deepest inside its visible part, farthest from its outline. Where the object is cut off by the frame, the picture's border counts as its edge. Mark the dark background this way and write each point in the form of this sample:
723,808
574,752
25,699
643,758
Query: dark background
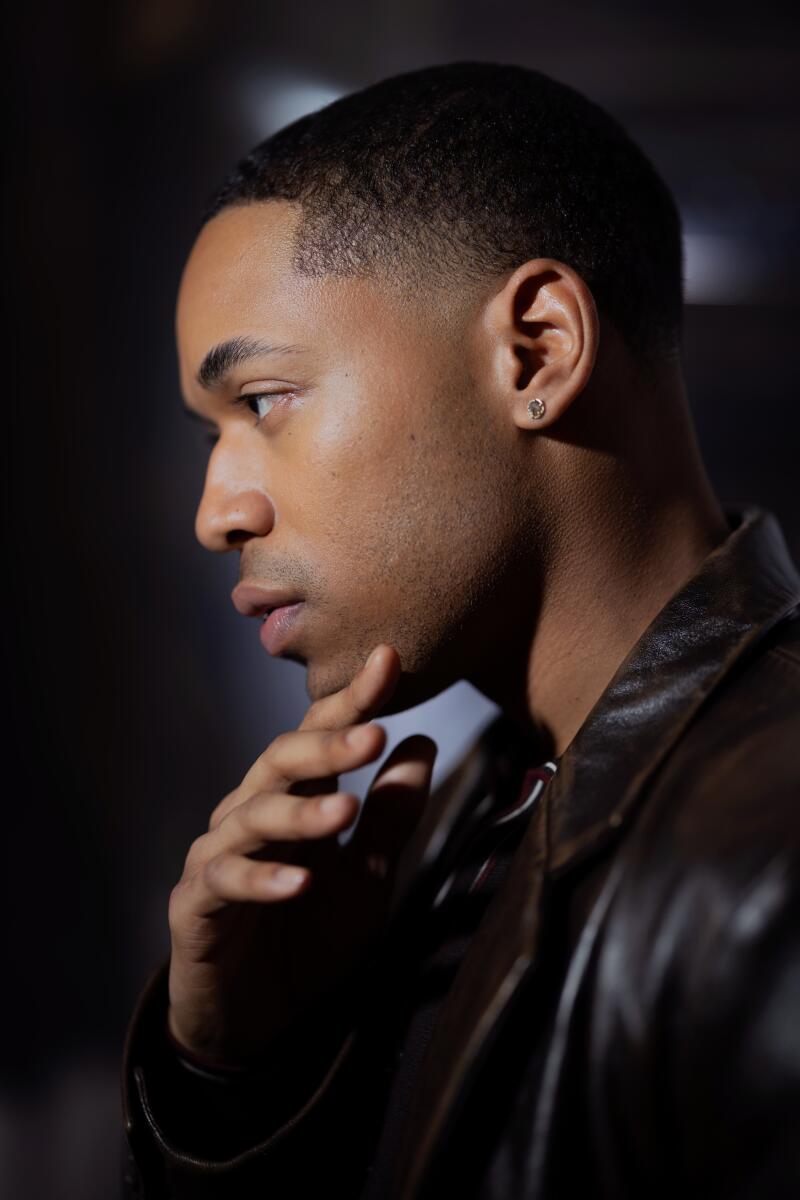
137,698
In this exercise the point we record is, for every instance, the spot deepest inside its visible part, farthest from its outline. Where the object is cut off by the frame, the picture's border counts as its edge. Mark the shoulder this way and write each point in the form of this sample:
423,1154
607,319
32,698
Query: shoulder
693,968
708,878
729,792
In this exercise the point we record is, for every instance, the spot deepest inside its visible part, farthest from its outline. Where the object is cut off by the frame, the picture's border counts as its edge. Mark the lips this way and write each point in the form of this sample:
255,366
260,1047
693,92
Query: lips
276,630
252,600
279,610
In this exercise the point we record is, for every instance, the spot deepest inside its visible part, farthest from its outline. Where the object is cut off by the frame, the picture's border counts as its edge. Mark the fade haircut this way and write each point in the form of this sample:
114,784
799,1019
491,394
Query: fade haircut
457,173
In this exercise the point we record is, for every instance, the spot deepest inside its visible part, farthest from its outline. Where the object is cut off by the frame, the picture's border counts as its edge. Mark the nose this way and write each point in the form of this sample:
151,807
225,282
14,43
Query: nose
229,515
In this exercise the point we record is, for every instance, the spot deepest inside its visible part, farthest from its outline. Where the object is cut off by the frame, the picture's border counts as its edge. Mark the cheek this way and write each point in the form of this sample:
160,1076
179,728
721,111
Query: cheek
359,455
361,517
386,496
370,411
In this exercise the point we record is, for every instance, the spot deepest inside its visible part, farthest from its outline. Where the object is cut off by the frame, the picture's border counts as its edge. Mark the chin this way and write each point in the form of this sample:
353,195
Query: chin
324,678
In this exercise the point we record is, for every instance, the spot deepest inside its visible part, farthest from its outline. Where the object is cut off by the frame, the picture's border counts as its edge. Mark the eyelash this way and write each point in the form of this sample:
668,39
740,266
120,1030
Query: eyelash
243,401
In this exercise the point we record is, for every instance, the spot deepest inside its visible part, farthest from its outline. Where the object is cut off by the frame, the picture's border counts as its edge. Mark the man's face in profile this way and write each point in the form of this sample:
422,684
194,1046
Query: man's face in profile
358,466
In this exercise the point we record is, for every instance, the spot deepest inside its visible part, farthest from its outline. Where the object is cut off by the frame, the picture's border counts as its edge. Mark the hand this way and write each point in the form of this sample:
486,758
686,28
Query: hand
272,916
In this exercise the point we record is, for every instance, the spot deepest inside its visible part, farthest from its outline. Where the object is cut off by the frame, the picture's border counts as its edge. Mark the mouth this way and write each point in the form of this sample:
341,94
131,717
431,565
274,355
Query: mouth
253,600
277,626
277,610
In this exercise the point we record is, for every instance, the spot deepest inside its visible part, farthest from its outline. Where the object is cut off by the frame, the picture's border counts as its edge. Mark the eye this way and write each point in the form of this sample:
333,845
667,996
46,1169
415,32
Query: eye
260,404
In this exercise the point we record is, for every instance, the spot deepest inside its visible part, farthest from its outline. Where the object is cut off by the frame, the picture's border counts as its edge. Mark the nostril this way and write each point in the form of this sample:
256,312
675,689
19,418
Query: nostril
237,537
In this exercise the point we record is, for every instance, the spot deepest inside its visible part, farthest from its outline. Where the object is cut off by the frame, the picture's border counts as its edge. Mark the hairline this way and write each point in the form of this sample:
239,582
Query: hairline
405,285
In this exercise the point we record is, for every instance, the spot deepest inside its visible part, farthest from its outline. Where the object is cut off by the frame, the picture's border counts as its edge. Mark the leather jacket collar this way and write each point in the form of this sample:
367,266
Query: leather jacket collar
741,590
746,585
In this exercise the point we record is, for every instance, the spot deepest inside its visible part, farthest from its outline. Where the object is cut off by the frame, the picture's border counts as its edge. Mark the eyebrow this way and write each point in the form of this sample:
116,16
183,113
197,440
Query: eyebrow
227,355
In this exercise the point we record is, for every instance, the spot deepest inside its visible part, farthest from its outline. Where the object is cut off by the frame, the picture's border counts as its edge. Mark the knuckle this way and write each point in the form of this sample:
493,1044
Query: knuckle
244,815
214,871
314,714
196,854
175,904
223,808
217,816
277,746
256,813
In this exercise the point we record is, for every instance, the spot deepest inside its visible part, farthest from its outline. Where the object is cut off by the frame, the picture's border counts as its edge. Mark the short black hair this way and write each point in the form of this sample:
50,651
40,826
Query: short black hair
466,170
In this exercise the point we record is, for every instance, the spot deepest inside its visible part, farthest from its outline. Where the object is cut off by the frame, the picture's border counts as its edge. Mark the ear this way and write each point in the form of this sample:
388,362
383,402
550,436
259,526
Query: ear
544,333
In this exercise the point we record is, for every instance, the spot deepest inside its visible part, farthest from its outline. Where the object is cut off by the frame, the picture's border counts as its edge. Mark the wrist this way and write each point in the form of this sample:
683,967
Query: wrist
199,1064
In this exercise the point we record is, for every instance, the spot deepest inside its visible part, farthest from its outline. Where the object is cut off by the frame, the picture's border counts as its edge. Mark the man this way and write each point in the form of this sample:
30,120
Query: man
435,332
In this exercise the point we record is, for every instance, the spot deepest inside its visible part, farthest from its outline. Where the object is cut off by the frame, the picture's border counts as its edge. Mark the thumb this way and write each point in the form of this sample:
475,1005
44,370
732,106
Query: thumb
395,802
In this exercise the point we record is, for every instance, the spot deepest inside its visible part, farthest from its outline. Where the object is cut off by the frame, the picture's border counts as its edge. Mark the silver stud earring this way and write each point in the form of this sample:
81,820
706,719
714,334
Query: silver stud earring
536,409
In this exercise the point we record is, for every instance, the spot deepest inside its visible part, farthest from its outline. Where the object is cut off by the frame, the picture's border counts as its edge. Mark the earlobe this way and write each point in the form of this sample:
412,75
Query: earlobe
546,332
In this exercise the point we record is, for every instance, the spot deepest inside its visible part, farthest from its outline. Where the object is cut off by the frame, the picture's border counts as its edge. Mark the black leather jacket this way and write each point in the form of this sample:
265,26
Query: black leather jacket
626,1022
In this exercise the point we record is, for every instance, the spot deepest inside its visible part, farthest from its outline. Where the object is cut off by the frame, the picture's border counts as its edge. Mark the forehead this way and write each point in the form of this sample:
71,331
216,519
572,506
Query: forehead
239,282
239,275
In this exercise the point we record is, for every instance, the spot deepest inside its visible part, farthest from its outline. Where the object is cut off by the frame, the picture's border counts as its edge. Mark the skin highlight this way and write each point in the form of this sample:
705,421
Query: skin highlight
397,483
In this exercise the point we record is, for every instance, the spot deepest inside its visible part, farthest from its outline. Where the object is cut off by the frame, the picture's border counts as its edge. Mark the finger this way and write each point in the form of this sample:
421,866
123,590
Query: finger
269,817
231,878
305,756
363,697
296,759
395,801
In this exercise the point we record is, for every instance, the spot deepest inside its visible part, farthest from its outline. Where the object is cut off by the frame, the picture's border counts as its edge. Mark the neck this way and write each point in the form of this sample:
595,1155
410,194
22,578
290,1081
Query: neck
616,555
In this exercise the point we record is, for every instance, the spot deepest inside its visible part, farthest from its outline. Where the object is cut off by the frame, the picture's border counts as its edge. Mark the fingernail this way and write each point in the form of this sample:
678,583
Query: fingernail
332,804
286,879
356,735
